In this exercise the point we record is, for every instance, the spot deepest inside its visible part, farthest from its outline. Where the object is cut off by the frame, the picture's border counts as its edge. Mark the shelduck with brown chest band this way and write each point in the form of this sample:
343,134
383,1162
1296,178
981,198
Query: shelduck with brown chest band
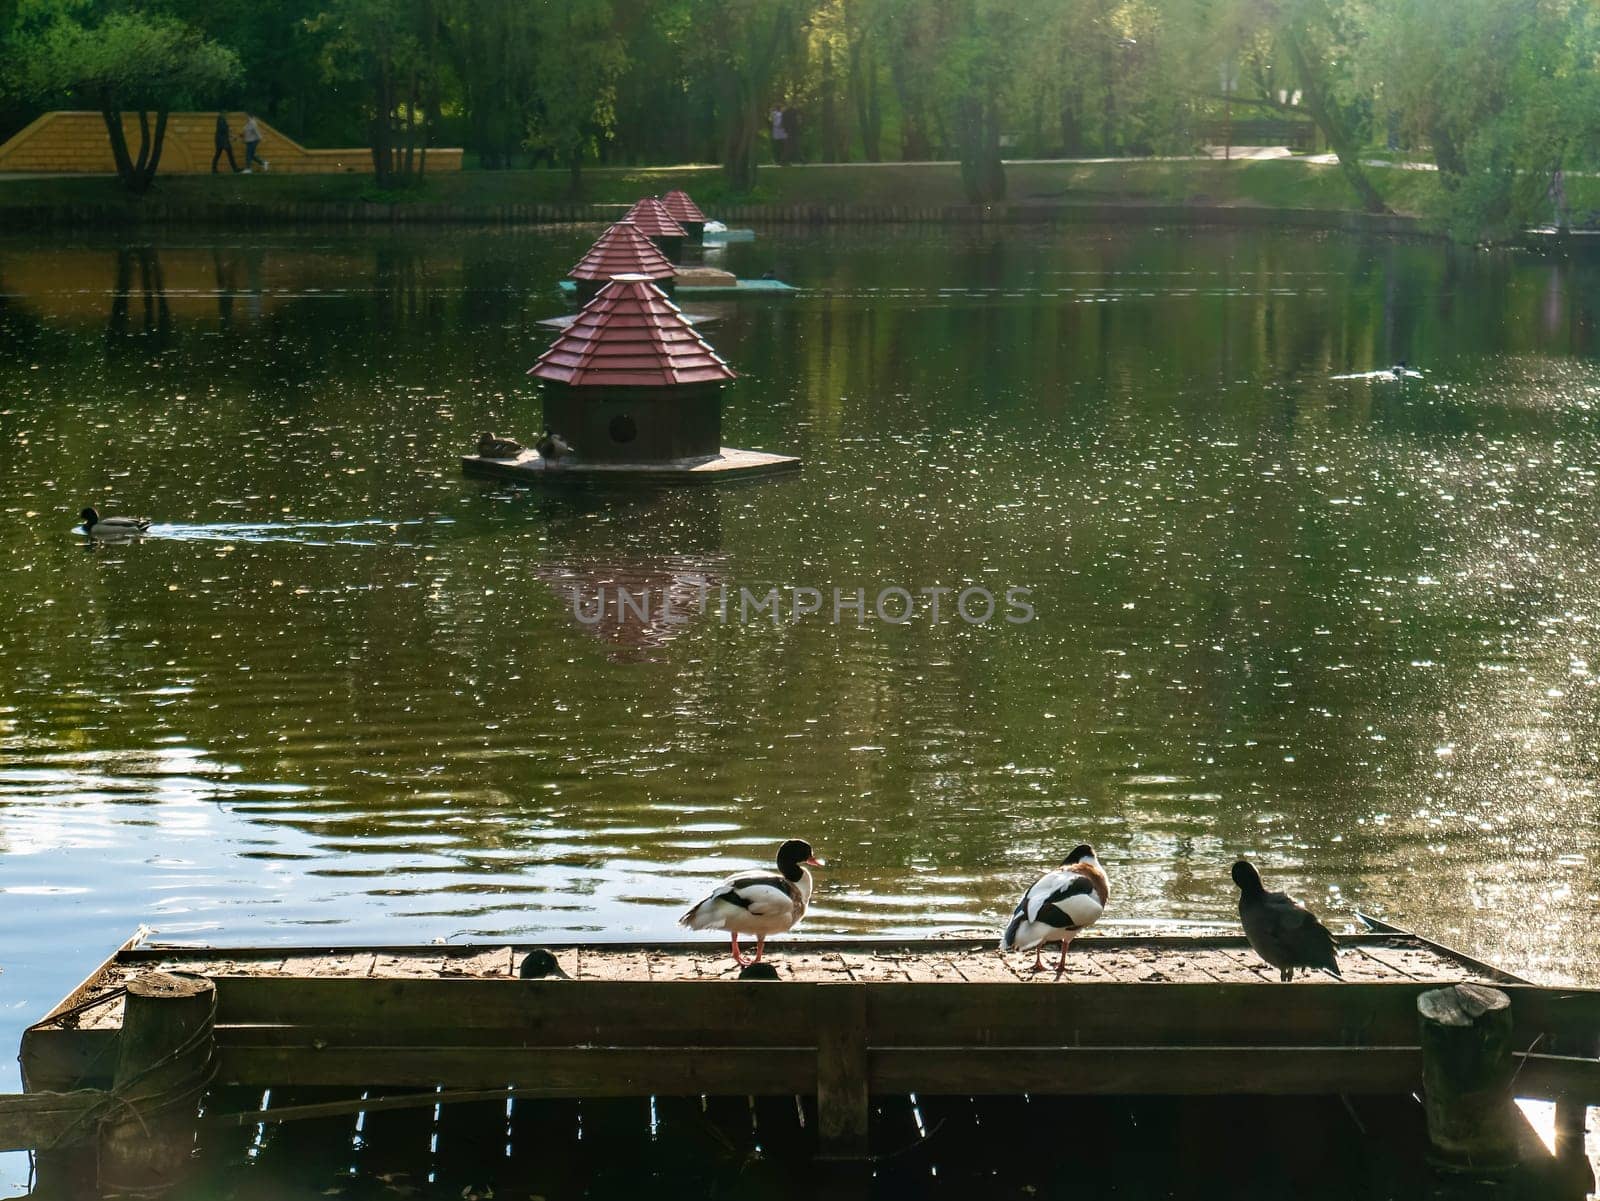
1060,906
757,904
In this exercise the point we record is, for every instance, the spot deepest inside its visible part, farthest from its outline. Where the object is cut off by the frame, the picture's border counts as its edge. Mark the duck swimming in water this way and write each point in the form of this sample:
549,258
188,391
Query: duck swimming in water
97,526
1061,905
758,904
1280,929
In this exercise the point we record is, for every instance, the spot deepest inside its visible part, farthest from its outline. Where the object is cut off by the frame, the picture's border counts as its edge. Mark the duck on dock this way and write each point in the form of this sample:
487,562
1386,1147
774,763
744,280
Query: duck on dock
97,526
492,446
1280,929
1060,906
541,965
552,446
759,905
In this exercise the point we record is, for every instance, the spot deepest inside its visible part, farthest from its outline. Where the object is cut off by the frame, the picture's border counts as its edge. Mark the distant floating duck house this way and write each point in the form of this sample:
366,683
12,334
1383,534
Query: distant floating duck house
635,392
681,208
654,222
621,250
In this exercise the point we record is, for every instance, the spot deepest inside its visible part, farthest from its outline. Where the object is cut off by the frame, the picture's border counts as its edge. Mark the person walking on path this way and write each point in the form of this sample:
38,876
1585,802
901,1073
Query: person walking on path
780,137
224,142
252,144
791,134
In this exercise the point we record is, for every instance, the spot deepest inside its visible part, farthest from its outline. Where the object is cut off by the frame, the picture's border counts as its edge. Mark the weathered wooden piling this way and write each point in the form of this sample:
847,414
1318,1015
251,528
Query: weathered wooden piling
841,1073
165,1063
1467,1069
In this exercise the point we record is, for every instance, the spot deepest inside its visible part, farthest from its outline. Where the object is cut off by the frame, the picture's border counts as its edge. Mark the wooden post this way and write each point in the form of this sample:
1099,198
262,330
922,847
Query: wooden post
1572,1120
1467,1070
164,1064
841,1071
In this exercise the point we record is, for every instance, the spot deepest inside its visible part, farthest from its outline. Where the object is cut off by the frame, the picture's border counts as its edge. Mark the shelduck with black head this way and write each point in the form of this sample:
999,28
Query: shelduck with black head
758,904
1058,907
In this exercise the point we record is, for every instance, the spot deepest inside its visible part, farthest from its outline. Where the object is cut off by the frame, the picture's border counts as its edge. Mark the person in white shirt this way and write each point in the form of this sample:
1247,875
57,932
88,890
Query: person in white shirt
780,137
252,144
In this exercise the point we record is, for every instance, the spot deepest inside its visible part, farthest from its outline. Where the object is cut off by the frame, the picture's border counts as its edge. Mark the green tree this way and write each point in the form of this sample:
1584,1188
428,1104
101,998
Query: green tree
494,49
394,48
581,56
744,47
128,62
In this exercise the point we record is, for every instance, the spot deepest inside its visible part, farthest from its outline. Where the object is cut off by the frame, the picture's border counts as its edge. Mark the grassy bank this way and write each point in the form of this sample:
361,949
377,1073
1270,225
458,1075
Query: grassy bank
1284,184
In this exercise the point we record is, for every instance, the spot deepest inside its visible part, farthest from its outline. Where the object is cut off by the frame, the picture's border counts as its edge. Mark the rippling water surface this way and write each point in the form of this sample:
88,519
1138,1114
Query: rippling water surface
1346,626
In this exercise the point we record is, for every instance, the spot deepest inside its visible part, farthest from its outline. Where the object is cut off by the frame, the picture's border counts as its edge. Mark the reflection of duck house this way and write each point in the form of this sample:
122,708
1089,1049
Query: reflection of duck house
637,393
651,219
621,250
682,209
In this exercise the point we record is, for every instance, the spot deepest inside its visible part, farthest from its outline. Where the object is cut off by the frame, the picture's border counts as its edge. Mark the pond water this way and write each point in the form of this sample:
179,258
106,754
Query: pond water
1345,626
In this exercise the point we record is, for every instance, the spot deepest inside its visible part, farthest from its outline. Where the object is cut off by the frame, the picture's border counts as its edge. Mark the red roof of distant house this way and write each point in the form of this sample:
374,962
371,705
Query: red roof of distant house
653,221
681,207
630,335
622,250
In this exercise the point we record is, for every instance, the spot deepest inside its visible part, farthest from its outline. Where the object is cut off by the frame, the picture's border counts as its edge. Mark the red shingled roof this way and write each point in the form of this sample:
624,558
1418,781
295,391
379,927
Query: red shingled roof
653,220
680,207
622,250
631,335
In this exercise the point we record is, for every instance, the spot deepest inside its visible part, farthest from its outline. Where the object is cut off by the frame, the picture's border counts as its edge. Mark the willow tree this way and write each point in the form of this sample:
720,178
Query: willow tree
132,62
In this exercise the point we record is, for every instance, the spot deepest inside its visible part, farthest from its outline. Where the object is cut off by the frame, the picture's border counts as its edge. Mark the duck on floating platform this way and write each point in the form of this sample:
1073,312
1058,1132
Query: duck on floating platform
759,905
552,446
1060,906
1281,930
492,446
97,526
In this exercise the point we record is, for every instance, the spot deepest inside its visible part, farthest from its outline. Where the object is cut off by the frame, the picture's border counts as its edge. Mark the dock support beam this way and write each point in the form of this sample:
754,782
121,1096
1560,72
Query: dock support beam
1467,1068
841,1072
165,1062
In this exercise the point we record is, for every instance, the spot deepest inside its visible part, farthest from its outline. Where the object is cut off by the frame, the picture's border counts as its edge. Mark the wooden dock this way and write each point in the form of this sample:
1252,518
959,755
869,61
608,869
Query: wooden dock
335,1036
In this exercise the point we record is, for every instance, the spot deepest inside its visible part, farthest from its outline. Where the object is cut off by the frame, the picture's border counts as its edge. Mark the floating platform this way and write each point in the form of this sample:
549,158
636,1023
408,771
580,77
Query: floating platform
565,320
732,464
922,1058
721,237
743,287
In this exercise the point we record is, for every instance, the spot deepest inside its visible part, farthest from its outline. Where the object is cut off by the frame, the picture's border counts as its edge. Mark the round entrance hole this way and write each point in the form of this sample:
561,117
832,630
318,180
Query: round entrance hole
624,429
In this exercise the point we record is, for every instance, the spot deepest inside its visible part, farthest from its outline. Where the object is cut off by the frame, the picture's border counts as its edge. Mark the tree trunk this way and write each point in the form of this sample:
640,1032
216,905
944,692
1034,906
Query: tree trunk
119,143
1446,156
978,133
157,142
1329,120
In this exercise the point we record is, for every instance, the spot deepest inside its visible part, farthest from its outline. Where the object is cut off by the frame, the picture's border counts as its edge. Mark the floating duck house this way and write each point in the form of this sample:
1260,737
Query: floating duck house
635,391
682,209
621,250
654,222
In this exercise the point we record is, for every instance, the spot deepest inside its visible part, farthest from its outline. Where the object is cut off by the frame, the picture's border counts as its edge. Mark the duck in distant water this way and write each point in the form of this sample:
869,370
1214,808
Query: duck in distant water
756,904
552,446
1061,905
1399,370
1280,929
97,526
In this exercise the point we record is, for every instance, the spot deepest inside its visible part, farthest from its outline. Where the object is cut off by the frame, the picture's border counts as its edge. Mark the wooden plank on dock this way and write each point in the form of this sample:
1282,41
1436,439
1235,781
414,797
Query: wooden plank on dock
551,1013
540,1072
1152,1071
29,1121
